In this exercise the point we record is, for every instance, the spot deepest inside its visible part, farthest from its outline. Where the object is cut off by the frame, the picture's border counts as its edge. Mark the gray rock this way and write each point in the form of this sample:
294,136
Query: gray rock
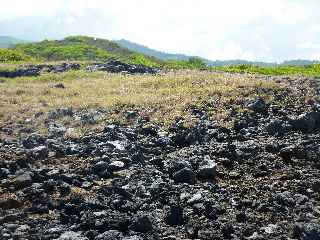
21,181
197,198
207,169
316,186
185,175
174,216
307,231
257,105
4,173
142,224
39,153
306,122
100,167
10,203
277,127
72,236
109,235
56,130
116,165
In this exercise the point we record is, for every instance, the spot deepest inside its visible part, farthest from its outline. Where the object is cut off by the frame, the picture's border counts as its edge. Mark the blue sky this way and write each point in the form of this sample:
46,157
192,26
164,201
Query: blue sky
261,30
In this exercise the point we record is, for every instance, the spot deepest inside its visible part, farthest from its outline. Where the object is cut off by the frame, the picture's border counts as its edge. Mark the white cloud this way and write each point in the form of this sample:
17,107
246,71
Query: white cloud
251,29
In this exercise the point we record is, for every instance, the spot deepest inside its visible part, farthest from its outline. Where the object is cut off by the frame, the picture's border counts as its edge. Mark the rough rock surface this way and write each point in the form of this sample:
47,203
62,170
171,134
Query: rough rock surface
258,179
36,70
120,67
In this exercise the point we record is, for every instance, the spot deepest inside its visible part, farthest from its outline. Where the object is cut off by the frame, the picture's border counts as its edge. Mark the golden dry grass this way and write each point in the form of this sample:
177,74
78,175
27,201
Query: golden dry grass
163,96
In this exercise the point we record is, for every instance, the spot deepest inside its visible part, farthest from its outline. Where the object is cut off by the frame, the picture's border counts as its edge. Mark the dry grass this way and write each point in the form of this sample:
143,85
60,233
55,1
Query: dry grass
162,97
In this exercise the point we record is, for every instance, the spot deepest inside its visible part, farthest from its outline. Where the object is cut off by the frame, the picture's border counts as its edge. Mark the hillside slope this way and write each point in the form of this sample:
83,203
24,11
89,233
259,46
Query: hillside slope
6,41
151,52
83,48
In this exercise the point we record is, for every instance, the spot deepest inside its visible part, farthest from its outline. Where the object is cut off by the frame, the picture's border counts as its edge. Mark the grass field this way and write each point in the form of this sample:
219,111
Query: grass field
308,70
162,97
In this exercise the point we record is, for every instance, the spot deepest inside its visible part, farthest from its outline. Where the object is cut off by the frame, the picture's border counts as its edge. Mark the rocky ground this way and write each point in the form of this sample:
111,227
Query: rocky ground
257,179
110,66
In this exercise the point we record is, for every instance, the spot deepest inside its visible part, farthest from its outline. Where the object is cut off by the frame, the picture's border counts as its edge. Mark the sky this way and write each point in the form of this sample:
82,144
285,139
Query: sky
255,30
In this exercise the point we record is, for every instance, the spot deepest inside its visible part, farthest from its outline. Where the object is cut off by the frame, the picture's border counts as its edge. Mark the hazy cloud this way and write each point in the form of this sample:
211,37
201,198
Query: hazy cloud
268,30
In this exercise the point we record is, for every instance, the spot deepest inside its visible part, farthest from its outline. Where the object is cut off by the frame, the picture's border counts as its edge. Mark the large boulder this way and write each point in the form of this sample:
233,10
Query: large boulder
207,169
142,224
185,175
257,105
307,122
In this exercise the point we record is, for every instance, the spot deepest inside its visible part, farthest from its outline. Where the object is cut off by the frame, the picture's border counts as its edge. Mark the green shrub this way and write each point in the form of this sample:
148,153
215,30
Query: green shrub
10,55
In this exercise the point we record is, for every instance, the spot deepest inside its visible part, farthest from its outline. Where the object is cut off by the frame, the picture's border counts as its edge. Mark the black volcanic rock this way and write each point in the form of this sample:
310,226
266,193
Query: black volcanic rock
120,67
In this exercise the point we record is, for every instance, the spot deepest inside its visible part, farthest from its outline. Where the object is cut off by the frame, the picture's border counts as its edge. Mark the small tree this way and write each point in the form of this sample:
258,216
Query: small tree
197,62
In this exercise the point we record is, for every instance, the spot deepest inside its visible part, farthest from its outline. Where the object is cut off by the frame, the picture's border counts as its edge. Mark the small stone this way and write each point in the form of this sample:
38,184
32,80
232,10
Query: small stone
116,165
59,85
197,198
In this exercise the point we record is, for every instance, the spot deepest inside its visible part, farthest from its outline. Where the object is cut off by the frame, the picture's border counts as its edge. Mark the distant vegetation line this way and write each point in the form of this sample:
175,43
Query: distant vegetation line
83,48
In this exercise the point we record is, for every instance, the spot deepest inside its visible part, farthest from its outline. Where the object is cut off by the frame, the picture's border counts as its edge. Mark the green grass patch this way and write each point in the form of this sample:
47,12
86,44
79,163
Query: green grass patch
307,70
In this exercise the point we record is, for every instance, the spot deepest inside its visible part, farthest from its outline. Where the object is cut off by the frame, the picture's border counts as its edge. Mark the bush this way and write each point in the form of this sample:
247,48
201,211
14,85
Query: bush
10,55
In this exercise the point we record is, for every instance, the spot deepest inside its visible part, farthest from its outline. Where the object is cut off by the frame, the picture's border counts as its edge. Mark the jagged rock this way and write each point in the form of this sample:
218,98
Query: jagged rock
59,85
316,186
207,169
72,236
60,112
100,167
9,203
4,173
35,70
306,122
174,216
116,165
277,127
308,231
19,182
111,234
185,175
120,67
33,140
39,153
142,224
257,105
56,130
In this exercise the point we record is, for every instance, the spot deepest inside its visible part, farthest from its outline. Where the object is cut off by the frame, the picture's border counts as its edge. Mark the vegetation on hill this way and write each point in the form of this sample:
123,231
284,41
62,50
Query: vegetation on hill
81,48
307,70
151,52
10,55
191,63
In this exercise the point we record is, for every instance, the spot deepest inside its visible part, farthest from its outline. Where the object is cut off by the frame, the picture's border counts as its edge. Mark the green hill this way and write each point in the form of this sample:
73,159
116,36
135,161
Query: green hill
82,48
6,41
